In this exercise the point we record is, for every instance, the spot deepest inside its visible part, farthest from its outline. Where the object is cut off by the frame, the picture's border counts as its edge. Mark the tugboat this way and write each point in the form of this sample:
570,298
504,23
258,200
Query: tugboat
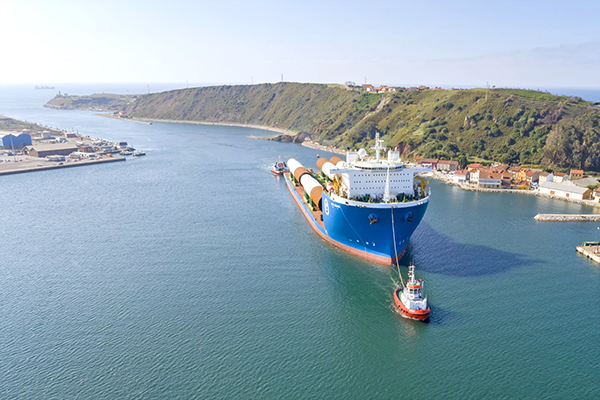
280,167
410,300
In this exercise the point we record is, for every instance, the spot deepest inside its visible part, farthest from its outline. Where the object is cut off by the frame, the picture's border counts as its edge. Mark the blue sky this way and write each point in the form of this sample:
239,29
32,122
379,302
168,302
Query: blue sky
506,43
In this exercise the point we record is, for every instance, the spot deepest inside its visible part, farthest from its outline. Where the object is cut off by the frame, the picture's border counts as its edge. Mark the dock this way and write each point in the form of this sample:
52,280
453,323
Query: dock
29,164
568,217
590,251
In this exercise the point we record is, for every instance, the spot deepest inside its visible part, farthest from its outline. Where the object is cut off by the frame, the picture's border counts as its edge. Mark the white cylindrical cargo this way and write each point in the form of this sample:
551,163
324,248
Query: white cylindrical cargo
296,168
327,169
293,164
313,188
338,162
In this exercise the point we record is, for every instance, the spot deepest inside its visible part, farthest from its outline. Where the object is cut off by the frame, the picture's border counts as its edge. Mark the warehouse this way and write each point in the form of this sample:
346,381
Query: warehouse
15,142
45,150
565,190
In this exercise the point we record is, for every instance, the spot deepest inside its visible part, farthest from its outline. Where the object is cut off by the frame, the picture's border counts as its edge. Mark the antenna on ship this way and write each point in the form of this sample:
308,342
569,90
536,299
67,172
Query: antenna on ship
378,145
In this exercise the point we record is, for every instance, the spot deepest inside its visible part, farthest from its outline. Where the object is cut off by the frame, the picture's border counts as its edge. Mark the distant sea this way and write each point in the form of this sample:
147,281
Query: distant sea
142,88
191,273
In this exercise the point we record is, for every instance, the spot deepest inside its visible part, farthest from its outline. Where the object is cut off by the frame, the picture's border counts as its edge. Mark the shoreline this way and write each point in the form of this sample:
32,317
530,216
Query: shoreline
305,143
330,149
179,121
123,119
441,178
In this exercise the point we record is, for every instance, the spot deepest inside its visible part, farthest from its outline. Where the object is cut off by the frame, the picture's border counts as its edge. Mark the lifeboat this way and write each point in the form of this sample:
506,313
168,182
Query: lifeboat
410,300
280,167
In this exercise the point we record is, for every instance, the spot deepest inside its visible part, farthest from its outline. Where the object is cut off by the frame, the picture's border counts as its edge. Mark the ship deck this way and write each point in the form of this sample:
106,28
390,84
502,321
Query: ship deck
317,215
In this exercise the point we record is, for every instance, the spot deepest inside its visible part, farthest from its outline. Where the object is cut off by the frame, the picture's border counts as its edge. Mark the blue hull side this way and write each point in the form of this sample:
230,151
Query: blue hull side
353,228
370,229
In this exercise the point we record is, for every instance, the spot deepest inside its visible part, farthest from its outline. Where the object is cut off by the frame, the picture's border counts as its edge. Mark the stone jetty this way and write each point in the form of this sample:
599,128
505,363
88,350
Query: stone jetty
568,217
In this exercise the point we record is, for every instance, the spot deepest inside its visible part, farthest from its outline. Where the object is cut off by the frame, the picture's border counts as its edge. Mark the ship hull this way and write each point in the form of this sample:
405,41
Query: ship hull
364,230
419,315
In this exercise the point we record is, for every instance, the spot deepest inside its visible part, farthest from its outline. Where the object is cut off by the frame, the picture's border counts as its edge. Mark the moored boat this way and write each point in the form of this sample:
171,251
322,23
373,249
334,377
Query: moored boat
410,300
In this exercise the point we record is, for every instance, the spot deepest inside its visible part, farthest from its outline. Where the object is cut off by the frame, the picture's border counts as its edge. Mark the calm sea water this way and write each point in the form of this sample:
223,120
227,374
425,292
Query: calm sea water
191,273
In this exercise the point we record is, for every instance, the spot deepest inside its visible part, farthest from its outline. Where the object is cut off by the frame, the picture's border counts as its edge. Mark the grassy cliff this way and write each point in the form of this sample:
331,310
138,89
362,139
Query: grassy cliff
506,125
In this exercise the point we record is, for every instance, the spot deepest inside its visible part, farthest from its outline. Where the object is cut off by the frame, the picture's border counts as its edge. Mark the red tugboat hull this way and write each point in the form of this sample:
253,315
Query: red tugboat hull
273,170
419,315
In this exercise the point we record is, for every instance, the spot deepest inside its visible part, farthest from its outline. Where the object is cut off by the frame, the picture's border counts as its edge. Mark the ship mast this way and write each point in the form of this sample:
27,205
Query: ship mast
386,191
378,146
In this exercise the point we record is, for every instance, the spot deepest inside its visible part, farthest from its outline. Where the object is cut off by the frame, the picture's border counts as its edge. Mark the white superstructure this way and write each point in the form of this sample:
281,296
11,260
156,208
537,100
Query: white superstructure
374,176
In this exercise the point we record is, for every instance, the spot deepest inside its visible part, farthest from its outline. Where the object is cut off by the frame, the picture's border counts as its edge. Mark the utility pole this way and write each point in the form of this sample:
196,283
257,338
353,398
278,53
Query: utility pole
282,77
252,80
148,89
487,89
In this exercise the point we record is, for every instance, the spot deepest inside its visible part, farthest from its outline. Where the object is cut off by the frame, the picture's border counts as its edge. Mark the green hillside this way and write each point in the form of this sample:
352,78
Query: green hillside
506,125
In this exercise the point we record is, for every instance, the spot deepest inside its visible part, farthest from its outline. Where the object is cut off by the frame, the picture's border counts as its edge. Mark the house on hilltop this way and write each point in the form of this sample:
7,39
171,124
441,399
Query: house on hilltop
368,88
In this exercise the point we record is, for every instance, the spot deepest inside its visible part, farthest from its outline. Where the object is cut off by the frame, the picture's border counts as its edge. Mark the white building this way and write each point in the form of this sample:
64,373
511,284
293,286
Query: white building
564,190
559,177
461,176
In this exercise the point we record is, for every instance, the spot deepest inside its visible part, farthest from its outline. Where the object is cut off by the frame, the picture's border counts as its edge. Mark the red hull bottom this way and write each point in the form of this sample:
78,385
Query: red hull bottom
419,315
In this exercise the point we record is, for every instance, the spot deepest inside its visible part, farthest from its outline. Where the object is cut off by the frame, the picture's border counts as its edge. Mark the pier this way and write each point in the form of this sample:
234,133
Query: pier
29,164
568,217
590,250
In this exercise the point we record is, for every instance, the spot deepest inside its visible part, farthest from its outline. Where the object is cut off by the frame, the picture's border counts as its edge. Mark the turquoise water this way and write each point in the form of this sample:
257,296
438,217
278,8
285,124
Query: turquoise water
191,273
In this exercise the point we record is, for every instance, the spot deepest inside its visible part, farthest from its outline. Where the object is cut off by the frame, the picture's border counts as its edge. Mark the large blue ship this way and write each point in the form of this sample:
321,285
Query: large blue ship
367,205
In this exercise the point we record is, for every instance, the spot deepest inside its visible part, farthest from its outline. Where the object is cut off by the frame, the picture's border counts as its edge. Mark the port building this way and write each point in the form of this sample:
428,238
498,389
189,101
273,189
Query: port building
45,150
565,190
15,141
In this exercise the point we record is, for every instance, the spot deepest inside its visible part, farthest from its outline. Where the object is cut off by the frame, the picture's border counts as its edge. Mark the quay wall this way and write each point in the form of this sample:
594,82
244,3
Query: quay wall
442,178
69,165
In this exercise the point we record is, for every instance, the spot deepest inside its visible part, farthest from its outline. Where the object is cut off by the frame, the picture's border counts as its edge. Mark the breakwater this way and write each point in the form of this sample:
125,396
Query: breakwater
568,217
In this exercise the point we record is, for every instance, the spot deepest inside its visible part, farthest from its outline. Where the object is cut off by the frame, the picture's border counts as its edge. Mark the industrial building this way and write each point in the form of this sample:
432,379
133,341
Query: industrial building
11,141
44,150
565,190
